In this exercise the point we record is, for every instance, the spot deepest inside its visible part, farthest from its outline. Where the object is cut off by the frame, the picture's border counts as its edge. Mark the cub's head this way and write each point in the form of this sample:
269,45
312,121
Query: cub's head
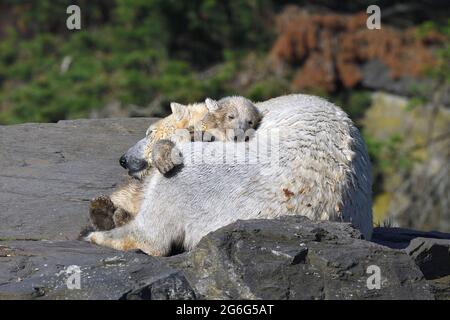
230,116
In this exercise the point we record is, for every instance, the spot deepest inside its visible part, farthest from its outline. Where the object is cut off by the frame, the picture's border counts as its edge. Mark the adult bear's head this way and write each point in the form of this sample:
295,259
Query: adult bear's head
133,160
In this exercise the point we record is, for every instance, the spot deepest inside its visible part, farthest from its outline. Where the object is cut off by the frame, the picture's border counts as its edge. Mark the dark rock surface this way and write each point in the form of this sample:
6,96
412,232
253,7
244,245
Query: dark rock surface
400,238
41,269
441,288
295,258
49,172
431,255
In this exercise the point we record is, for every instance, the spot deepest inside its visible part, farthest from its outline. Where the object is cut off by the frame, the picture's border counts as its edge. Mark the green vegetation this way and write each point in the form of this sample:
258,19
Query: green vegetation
131,51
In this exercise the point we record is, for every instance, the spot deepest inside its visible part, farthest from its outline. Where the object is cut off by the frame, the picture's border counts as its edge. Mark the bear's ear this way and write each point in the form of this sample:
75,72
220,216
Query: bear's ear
212,105
179,111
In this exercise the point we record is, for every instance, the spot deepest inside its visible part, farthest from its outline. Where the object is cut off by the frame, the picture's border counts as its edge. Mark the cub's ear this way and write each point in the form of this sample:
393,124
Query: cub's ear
178,110
211,105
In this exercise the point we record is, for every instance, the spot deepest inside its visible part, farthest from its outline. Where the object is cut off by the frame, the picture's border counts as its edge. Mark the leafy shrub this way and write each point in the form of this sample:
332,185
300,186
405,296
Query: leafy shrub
132,51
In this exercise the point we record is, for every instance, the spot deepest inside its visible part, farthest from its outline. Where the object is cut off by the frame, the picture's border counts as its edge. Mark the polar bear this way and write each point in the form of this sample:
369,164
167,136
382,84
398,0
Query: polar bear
230,118
306,158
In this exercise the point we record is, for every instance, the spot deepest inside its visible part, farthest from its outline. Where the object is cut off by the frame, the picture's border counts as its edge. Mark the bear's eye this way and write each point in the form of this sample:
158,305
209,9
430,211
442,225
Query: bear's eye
250,123
230,116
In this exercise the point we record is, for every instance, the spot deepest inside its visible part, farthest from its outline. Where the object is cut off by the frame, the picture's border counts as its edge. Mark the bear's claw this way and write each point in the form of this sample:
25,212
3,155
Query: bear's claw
101,212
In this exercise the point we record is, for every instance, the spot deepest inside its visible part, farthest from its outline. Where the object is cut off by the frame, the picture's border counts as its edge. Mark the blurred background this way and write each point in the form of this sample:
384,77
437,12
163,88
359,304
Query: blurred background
132,57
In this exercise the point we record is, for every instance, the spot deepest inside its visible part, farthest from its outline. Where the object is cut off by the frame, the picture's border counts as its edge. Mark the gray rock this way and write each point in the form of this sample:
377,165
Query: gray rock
295,258
41,269
441,288
377,76
49,172
431,255
400,238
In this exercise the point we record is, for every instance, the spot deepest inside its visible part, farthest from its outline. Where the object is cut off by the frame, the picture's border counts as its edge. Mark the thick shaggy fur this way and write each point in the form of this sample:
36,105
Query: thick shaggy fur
322,172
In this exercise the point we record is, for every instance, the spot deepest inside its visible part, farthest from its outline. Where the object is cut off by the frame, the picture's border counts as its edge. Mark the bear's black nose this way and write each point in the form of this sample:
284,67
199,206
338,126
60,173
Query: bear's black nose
123,161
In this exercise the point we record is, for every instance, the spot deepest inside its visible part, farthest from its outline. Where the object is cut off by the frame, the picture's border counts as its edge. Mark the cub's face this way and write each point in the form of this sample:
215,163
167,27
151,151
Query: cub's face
231,117
237,117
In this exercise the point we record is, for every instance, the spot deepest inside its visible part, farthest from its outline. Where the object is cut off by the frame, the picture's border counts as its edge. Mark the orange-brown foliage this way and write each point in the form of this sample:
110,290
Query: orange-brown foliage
329,48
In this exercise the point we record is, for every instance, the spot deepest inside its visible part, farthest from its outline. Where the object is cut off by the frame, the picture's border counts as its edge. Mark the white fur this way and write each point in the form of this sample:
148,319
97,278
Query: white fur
178,110
211,104
323,173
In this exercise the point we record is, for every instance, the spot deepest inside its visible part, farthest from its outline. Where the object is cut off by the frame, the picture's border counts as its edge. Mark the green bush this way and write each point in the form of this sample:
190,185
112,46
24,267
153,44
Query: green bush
132,51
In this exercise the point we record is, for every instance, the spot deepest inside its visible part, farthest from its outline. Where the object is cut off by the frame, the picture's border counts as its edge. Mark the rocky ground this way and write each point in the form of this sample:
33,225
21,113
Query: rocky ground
49,172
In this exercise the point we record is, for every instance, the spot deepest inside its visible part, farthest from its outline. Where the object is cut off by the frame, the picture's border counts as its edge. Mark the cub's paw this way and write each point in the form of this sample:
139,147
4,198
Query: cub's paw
101,212
94,237
121,217
165,156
